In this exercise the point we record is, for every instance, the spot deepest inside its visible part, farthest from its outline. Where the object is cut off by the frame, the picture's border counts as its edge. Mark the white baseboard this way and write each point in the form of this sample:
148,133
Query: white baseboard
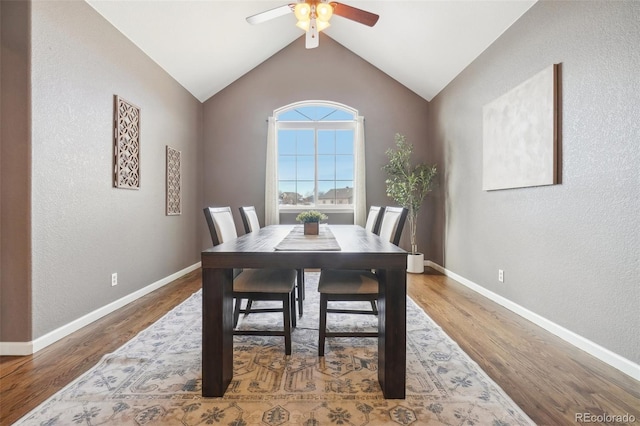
28,348
626,366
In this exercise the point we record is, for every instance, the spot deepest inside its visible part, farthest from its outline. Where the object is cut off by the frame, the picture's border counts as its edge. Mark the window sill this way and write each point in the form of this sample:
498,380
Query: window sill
323,209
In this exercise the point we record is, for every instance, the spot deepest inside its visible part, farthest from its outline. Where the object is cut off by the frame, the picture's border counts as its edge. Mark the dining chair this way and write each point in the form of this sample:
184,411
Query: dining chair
341,285
249,218
374,219
256,284
251,224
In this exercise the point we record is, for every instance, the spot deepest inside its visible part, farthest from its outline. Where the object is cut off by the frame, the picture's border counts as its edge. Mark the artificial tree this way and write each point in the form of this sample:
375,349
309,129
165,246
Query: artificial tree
408,184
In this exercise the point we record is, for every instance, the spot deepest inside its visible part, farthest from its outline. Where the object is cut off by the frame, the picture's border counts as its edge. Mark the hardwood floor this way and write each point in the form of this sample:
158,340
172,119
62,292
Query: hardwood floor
549,379
27,381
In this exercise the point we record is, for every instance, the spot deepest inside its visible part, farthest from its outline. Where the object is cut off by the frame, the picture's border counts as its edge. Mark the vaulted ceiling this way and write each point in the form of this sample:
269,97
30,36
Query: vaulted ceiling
206,45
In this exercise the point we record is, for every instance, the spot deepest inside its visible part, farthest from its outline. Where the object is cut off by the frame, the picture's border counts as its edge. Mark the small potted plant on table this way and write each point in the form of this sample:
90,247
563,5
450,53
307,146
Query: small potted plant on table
408,185
311,221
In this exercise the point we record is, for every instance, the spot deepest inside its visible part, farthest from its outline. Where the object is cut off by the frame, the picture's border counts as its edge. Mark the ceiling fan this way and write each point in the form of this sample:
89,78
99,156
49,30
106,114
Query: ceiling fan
314,15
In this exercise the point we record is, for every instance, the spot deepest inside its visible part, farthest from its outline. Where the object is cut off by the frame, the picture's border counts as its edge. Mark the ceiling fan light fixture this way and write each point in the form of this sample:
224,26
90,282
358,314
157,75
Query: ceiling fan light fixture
324,11
313,16
323,24
302,11
303,25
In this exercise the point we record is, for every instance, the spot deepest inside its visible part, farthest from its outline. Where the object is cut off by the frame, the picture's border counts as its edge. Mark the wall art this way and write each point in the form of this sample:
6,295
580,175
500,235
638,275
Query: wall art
126,166
174,198
521,134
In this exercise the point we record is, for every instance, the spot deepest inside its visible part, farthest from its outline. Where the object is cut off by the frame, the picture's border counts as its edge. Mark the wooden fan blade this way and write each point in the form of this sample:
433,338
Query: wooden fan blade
355,14
271,14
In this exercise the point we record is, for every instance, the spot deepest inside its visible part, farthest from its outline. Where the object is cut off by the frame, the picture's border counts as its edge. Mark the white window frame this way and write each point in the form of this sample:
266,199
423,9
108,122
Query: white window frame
358,208
315,126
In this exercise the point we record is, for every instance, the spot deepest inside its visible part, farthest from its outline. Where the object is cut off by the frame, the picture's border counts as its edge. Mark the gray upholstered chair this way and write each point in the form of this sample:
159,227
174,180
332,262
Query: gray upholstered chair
356,285
251,224
256,284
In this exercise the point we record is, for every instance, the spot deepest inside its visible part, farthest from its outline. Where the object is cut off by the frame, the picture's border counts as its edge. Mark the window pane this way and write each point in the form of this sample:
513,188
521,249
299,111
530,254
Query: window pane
315,113
341,193
306,189
344,167
308,112
306,142
339,115
326,142
286,167
344,192
344,142
292,115
306,168
322,113
326,192
287,142
325,186
287,193
326,167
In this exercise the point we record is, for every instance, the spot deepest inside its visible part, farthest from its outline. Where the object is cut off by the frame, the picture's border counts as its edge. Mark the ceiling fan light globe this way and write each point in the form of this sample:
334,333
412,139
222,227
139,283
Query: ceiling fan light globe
303,25
323,25
324,11
302,11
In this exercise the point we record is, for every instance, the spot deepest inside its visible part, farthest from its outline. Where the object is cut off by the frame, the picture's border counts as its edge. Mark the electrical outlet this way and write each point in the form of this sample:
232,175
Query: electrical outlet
500,275
114,279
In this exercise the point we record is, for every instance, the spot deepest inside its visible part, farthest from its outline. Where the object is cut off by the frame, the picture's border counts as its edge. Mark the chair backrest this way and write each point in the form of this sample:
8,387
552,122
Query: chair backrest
393,220
249,219
221,224
374,219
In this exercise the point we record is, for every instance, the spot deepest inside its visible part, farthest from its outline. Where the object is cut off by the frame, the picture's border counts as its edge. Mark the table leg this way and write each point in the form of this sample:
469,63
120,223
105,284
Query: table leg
217,330
392,329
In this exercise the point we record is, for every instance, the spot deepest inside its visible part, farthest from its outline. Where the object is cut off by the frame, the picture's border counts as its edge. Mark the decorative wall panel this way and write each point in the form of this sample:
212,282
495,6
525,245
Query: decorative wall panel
126,145
520,135
174,199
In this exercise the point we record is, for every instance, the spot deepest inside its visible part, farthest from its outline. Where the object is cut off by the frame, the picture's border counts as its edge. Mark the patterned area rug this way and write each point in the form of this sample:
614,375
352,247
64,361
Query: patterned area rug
155,379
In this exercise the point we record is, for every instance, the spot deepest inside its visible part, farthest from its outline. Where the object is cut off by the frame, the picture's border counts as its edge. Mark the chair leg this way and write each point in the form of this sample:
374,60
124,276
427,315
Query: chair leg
374,307
236,312
292,306
322,332
300,282
286,311
247,310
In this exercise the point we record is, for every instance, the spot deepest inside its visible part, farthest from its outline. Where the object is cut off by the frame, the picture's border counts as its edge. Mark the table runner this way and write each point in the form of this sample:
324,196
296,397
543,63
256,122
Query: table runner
296,240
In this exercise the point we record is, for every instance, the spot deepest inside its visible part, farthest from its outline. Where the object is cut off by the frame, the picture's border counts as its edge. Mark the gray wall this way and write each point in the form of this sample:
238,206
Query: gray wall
235,129
570,252
82,228
15,177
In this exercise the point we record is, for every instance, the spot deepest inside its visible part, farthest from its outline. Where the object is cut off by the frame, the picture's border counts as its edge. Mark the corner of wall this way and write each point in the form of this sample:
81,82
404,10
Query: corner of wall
15,173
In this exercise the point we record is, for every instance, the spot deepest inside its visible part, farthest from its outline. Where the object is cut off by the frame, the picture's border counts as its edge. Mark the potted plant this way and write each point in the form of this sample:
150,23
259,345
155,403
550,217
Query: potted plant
408,185
311,219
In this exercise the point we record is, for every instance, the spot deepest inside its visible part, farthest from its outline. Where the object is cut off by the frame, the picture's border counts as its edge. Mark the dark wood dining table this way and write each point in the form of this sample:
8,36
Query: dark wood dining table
359,249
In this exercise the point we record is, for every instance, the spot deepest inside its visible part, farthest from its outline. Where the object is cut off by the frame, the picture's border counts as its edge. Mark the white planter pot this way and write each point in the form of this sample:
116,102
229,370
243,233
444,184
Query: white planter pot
415,263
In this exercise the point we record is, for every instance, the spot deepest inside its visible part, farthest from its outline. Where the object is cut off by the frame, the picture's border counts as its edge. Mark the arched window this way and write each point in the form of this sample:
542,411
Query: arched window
317,159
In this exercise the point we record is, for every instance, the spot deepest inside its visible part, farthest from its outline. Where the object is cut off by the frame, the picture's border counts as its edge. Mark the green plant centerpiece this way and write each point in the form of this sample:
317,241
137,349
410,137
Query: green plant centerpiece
311,221
408,184
311,216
